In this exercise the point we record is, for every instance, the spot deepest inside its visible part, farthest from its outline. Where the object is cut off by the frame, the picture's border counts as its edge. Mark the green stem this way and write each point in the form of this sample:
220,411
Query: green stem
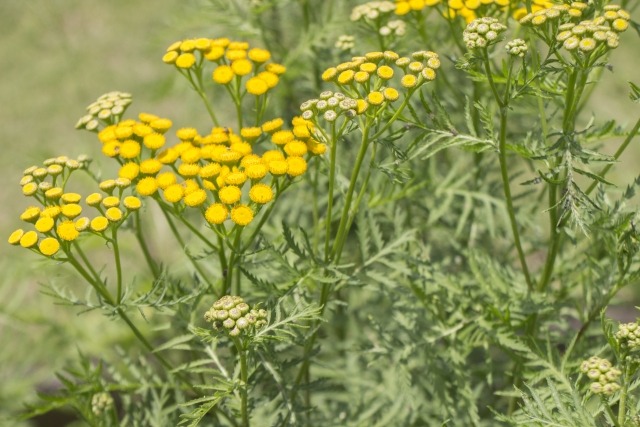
622,403
232,259
342,228
145,248
118,261
244,379
332,181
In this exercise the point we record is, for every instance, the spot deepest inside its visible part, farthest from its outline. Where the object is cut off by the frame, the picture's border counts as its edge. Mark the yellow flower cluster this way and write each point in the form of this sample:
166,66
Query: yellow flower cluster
235,61
369,79
56,218
466,9
107,109
536,5
210,171
587,36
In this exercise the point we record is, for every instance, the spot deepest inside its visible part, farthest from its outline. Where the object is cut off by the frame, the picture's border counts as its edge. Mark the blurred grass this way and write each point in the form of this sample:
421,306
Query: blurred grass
58,56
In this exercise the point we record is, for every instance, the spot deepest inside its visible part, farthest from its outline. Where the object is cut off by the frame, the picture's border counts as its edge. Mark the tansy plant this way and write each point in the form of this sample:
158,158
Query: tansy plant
376,233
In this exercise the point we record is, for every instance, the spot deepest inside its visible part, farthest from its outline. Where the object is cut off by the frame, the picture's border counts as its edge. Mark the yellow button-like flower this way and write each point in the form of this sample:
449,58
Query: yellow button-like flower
30,214
214,53
114,214
261,193
277,69
111,201
168,156
185,60
390,94
150,166
153,141
235,178
129,149
147,186
44,224
346,77
272,125
71,198
241,215
295,148
166,179
161,125
195,198
93,199
259,55
132,203
241,67
29,239
278,167
282,137
409,81
82,224
296,166
129,170
375,98
217,213
189,169
14,238
49,246
66,230
256,171
270,78
29,188
71,210
173,193
210,170
256,86
223,74
329,74
385,72
229,194
99,224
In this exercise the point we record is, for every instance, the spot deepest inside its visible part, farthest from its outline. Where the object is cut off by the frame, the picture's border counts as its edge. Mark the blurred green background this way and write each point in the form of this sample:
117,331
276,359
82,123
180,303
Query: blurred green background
57,57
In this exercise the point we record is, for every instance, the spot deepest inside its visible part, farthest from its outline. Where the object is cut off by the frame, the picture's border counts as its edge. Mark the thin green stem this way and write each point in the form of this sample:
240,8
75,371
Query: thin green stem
145,248
622,403
118,261
332,180
244,380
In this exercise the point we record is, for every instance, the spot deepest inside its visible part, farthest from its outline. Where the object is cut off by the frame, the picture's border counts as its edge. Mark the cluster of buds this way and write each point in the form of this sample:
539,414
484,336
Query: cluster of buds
232,314
482,32
603,375
345,43
516,47
101,402
587,36
395,27
372,10
108,109
628,335
553,14
329,106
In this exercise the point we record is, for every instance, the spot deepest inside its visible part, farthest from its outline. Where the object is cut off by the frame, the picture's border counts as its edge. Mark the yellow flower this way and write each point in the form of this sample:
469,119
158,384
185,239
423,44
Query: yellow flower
66,230
229,194
210,170
282,137
29,189
385,72
361,76
296,166
161,125
82,224
409,81
153,141
259,55
168,156
270,78
147,117
166,179
217,213
295,148
113,214
241,67
271,155
132,203
346,77
147,186
189,169
170,57
272,125
51,211
141,130
223,74
99,224
30,214
261,193
277,69
187,45
29,239
278,167
173,193
71,210
250,133
235,178
316,148
329,74
15,237
129,170
234,53
195,198
111,201
123,132
44,224
375,98
111,148
129,149
150,166
241,215
256,171
215,53
390,94
185,60
93,199
49,246
256,86
186,134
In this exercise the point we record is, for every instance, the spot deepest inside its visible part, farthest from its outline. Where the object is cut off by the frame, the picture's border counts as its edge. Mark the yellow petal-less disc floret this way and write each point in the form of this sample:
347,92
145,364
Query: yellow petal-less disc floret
111,201
153,141
29,189
49,246
223,74
150,166
272,125
261,193
191,155
217,213
129,170
99,224
229,194
277,69
173,193
375,98
168,156
295,148
132,203
30,214
241,67
71,210
166,179
296,166
270,78
161,125
93,199
409,81
71,198
390,94
241,215
195,198
210,170
66,230
44,224
129,149
282,137
51,211
15,236
189,169
113,214
235,178
251,133
29,239
256,86
256,171
82,224
147,186
329,74
259,55
385,72
185,60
